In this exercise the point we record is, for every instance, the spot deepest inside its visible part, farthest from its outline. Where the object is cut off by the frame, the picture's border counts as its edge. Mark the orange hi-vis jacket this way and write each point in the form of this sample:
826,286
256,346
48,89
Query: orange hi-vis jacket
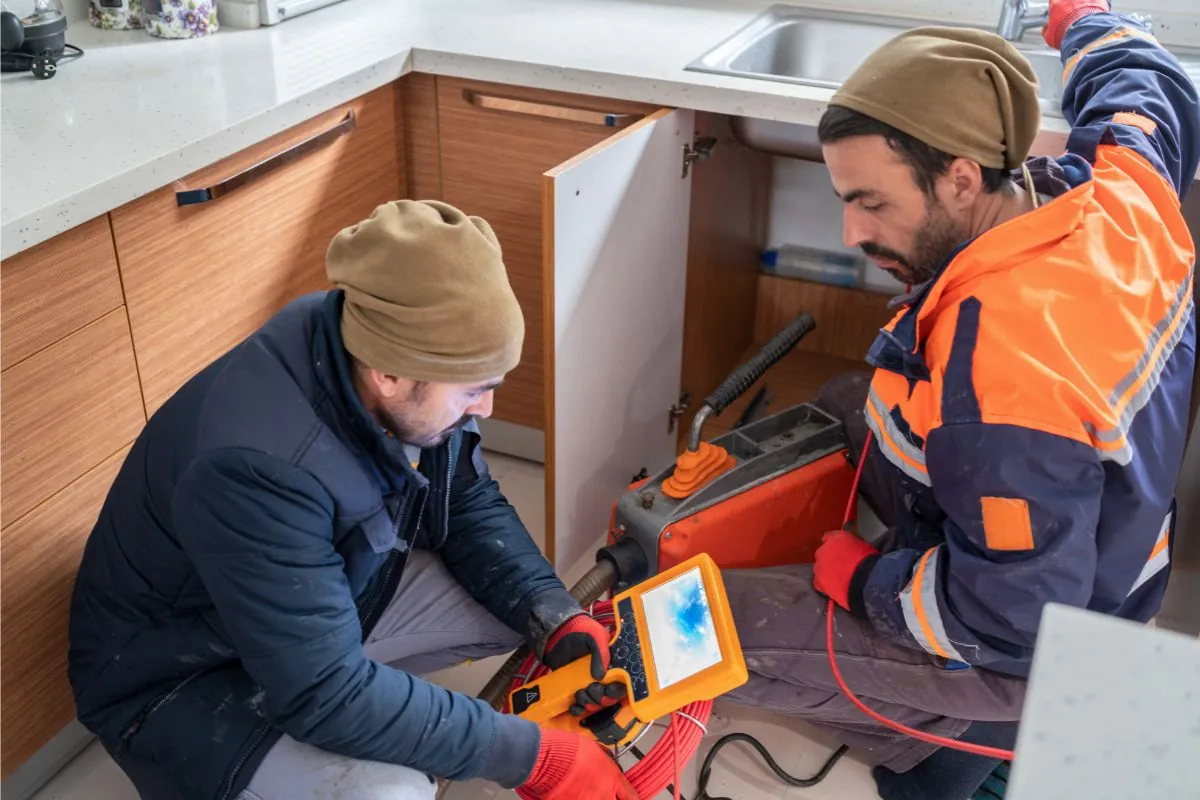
1034,395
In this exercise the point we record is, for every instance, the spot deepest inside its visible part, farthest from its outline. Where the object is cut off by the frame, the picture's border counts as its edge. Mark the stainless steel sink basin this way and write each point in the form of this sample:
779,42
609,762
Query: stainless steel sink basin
823,48
799,46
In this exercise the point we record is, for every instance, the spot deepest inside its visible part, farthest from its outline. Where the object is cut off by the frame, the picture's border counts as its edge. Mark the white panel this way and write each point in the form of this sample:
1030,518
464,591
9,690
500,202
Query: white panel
805,211
513,440
620,261
1112,711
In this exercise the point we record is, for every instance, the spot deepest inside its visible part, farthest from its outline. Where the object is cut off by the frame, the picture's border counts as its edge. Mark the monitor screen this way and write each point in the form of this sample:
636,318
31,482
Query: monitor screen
683,640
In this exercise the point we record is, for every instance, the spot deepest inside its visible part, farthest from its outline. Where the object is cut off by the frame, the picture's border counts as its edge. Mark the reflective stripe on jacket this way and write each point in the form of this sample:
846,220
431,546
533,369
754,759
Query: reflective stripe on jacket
1034,397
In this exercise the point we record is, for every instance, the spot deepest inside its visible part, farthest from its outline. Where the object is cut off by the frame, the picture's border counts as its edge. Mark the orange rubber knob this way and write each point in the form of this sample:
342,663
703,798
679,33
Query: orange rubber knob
693,470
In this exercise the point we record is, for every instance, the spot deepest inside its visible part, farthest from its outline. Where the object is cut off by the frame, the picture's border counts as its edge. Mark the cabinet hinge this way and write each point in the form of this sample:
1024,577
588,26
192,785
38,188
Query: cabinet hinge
698,150
677,409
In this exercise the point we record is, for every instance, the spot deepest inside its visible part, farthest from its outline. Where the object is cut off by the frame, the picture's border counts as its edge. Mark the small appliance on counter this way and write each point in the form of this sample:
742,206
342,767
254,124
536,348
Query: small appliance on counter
36,43
273,12
255,13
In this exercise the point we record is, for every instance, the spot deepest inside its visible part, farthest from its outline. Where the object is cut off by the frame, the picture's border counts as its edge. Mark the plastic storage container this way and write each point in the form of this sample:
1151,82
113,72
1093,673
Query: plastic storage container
813,264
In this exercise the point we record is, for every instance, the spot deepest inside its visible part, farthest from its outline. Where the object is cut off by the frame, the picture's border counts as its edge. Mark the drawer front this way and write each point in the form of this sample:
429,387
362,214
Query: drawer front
40,554
66,409
496,142
201,277
55,288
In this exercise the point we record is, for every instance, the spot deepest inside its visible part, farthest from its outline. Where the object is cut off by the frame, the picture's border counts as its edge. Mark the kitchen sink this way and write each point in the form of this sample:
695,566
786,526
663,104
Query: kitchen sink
823,48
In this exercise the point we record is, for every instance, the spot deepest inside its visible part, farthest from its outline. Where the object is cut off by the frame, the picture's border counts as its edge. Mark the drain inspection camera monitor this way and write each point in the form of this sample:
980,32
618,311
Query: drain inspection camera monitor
675,644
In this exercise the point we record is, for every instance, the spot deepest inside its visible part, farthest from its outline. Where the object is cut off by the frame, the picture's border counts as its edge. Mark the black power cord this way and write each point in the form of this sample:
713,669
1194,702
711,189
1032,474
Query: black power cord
706,766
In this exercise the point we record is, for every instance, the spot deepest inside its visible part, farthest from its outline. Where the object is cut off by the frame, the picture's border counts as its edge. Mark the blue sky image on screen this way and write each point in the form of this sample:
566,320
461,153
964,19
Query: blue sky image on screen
683,640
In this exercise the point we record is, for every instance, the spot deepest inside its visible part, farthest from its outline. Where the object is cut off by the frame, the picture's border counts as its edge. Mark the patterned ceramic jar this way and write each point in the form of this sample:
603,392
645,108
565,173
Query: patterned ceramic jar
179,19
115,15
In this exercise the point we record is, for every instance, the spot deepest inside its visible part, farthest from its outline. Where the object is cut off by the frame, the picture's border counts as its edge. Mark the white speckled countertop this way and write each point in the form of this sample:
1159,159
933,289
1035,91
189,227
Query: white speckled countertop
136,113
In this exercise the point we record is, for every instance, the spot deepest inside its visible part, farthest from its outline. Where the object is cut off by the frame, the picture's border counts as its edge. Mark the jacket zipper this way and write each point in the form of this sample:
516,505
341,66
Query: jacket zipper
387,575
231,781
449,478
141,718
390,580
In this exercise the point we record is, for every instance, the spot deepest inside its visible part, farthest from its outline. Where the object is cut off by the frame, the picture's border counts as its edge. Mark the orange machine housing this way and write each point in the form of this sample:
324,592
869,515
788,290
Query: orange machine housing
783,486
780,522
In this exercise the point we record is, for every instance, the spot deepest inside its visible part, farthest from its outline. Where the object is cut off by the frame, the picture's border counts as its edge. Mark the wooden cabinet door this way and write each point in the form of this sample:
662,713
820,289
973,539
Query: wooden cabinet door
201,277
616,275
40,554
496,142
66,409
57,287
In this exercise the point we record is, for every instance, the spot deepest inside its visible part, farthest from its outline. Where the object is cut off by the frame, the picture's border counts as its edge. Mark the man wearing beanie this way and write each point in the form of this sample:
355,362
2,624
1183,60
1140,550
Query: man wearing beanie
1029,407
307,526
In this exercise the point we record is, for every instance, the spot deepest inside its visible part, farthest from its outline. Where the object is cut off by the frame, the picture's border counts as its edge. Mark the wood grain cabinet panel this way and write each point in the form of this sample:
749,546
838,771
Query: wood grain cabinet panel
40,554
848,320
199,278
728,224
55,288
66,409
496,143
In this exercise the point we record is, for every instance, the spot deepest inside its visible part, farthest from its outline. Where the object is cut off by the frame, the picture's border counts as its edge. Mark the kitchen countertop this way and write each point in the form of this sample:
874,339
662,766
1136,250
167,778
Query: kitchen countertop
136,113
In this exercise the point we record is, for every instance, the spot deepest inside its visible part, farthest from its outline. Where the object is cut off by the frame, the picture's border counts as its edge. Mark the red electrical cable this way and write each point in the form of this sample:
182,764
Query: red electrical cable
966,747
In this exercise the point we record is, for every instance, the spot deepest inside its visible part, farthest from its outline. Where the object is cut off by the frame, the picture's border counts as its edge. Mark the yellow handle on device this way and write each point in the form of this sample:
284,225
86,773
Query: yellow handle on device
553,694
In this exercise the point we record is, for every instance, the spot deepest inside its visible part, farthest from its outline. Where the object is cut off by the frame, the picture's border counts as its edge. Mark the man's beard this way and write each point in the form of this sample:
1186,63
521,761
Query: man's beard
935,240
408,433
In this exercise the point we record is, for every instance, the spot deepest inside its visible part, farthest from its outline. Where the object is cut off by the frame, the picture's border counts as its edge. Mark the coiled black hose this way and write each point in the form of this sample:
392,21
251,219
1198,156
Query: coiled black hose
790,780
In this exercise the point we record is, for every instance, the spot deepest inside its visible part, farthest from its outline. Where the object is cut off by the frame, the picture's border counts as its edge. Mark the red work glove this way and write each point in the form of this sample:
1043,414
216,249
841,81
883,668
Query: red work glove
838,558
573,766
1063,13
577,637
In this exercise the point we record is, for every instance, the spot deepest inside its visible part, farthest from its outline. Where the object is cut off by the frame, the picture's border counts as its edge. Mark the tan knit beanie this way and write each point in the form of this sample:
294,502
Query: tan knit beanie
427,294
968,93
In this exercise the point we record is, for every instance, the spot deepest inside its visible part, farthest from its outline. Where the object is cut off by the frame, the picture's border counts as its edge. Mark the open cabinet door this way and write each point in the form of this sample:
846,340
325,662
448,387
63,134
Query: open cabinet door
616,229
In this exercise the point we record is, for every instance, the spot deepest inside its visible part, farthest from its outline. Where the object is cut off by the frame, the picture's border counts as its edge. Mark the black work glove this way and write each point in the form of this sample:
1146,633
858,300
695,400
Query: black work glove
578,637
597,696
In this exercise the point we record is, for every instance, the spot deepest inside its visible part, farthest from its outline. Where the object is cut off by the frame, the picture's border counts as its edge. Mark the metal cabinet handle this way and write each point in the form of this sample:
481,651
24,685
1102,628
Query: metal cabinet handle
550,110
188,197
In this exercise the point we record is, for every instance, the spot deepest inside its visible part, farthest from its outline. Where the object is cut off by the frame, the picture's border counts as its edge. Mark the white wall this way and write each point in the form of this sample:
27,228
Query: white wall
805,211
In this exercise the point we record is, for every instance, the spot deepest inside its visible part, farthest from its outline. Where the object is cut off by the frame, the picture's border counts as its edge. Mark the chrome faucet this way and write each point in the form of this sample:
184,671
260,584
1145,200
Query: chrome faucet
1018,16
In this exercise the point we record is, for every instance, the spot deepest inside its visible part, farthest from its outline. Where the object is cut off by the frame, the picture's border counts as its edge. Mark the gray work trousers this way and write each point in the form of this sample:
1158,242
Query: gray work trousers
431,623
781,621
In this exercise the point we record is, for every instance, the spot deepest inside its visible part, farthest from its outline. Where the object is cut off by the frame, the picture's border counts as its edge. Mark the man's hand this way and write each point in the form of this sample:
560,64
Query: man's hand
573,766
577,637
597,696
838,557
1064,12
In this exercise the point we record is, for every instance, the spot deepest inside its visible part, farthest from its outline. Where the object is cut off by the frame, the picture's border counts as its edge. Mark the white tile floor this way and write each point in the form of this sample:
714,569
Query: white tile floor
737,773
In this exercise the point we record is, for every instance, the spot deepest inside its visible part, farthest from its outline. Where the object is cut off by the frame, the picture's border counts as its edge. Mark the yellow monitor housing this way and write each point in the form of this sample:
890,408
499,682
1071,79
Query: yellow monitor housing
675,644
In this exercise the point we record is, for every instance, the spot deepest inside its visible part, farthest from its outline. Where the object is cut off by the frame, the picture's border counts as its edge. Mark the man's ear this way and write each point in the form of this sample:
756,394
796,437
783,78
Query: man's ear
387,386
964,181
